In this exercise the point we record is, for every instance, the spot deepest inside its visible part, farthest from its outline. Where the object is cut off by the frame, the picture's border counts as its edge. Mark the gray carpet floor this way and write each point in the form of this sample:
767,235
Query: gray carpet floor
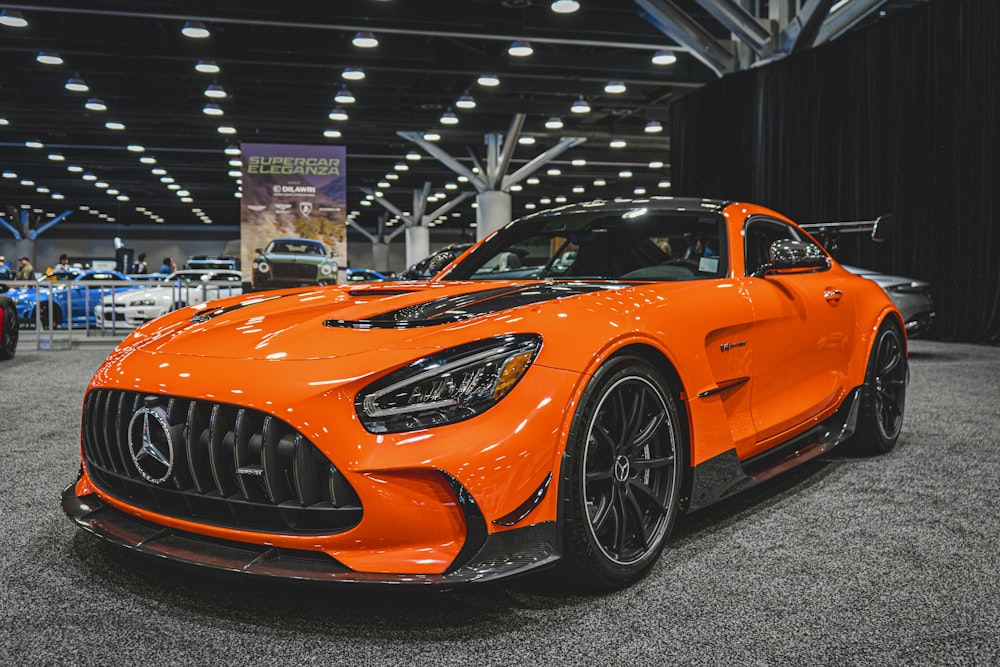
846,561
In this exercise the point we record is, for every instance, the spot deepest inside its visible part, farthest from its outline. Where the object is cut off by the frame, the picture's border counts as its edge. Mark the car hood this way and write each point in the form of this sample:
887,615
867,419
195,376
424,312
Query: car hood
347,320
884,279
295,257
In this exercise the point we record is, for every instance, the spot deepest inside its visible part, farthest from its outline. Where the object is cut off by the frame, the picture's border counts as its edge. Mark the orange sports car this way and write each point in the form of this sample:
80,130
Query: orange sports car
557,396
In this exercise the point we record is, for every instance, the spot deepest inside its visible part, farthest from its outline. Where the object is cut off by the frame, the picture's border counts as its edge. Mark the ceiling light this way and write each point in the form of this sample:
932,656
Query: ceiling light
34,144
122,197
353,74
580,106
383,184
101,184
57,195
527,141
579,189
7,173
516,187
338,114
195,30
56,157
617,143
579,162
74,169
233,150
615,87
215,91
183,193
147,159
560,199
167,179
663,184
333,134
114,125
89,177
520,49
173,186
12,18
554,123
624,173
77,85
454,186
236,163
462,179
545,200
639,191
135,148
226,129
466,102
432,136
4,121
42,190
26,182
449,118
656,164
488,80
212,109
207,67
413,156
49,58
188,200
158,171
401,166
554,172
344,96
530,206
365,40
653,127
234,173
599,182
95,104
564,6
392,177
664,58
113,192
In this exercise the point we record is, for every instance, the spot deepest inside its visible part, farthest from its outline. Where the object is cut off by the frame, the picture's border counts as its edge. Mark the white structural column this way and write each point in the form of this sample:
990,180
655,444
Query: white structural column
379,241
492,183
415,224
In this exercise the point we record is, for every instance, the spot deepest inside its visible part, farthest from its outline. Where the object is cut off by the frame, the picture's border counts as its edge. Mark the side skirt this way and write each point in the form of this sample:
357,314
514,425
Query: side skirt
724,475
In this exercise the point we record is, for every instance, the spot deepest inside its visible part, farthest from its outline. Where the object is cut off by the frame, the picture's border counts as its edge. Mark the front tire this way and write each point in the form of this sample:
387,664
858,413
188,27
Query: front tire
43,315
621,475
883,398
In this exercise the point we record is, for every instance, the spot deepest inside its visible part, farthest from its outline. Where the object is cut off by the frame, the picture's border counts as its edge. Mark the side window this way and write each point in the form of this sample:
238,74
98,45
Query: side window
759,234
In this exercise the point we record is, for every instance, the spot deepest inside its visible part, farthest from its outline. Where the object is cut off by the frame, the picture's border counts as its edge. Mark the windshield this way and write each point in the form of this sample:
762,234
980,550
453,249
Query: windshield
624,244
295,248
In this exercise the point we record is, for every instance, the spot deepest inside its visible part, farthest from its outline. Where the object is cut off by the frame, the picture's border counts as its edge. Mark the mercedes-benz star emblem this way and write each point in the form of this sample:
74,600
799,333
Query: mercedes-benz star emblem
621,469
150,444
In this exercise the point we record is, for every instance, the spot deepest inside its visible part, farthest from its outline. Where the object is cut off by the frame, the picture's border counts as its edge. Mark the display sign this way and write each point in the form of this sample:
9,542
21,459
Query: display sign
294,215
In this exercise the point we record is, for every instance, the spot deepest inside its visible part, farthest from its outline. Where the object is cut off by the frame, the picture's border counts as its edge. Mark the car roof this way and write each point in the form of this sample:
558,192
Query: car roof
669,204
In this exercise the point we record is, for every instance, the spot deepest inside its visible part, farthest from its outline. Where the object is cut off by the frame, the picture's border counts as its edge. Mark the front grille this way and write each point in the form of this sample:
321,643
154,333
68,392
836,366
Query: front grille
287,271
213,463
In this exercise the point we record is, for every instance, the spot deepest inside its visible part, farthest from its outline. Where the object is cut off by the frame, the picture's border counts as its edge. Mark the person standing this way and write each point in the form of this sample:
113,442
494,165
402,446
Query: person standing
25,271
4,268
140,264
168,266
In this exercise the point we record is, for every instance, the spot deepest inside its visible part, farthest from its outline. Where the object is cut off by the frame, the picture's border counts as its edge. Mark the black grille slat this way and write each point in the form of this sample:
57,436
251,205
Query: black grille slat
232,466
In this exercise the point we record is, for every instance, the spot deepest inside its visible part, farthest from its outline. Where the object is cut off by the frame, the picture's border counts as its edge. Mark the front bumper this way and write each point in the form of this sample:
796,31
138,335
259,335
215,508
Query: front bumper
496,556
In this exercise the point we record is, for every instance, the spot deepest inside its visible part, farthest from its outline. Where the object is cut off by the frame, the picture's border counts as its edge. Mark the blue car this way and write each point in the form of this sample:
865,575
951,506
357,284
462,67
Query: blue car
52,299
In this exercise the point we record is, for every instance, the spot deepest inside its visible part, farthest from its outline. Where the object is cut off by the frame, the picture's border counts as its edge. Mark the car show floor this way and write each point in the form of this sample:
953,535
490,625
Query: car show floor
890,560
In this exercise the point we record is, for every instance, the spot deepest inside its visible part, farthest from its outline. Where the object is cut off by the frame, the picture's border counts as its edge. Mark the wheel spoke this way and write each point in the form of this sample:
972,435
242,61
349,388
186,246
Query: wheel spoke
651,464
634,513
647,493
620,516
603,513
633,423
598,476
641,439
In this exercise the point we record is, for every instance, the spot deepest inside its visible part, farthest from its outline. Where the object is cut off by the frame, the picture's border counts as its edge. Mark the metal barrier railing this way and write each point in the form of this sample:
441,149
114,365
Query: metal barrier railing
60,311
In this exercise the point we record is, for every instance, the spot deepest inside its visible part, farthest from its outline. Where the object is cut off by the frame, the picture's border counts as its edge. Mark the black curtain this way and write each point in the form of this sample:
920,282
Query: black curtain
902,118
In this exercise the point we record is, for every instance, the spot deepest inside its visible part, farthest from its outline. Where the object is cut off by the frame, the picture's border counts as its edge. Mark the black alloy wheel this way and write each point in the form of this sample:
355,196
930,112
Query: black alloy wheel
883,398
624,460
8,332
43,315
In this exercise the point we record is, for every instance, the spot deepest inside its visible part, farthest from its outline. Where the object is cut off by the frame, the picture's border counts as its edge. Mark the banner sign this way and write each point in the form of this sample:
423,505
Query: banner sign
294,215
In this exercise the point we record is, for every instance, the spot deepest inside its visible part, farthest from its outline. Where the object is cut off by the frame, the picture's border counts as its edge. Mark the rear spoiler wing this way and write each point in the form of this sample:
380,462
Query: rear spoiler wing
880,228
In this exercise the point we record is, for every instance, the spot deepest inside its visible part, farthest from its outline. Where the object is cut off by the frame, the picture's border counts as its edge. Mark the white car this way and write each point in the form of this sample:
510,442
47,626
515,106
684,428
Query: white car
181,288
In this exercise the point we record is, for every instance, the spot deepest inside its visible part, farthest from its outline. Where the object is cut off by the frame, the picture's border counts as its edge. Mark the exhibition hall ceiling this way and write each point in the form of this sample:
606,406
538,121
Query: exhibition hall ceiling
145,141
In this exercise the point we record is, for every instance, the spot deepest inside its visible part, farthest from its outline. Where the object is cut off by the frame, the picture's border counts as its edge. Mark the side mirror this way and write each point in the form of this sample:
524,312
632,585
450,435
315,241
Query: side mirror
883,227
258,251
789,256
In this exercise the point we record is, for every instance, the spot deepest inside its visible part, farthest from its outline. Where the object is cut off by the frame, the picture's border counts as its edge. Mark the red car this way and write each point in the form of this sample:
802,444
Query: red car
556,397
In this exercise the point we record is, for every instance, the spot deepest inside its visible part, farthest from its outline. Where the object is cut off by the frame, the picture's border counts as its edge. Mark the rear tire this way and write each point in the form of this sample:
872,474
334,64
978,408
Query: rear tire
9,332
621,476
883,397
43,315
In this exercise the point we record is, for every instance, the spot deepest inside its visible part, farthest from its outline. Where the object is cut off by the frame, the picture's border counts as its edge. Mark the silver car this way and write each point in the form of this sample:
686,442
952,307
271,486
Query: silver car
912,297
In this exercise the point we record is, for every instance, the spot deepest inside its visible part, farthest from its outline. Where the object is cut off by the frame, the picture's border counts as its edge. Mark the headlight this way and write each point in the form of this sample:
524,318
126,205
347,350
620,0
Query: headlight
260,266
447,387
142,302
327,269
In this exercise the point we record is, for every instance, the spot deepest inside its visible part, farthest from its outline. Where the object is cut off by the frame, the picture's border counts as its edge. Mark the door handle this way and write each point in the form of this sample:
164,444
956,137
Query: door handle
832,295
